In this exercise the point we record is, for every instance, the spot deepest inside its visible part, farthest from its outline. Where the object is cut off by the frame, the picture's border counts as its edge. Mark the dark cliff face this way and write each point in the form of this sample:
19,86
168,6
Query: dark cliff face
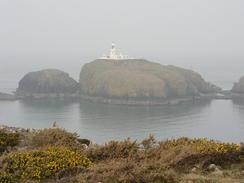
239,87
47,81
140,79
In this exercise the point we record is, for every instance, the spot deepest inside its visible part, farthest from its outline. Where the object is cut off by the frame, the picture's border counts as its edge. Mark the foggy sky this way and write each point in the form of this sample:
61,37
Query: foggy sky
65,34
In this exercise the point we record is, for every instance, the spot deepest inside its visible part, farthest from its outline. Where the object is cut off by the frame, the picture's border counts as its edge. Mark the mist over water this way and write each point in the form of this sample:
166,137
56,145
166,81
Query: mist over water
205,36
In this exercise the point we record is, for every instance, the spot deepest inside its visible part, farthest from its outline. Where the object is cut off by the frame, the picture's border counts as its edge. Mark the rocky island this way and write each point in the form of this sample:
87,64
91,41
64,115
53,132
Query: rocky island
138,81
238,87
119,79
236,93
49,83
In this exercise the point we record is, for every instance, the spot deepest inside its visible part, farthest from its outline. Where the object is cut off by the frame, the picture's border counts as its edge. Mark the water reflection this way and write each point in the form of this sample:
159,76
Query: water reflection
118,122
40,114
218,119
239,103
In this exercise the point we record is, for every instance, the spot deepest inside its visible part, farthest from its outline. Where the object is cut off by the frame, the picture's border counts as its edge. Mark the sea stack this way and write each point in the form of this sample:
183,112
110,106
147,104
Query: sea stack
239,86
49,83
123,80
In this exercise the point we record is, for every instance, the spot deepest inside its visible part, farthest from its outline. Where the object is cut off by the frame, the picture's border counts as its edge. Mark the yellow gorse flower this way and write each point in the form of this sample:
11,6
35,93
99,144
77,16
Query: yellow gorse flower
203,145
40,164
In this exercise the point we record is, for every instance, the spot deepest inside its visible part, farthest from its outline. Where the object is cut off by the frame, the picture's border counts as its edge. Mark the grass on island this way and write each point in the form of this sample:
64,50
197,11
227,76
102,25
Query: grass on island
55,155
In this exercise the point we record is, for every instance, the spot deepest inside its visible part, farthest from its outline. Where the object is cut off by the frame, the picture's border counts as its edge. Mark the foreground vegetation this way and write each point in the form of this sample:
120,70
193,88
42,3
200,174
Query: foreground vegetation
54,155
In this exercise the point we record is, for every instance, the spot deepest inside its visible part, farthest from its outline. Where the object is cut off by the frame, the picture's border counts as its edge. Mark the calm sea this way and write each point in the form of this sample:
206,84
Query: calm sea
218,119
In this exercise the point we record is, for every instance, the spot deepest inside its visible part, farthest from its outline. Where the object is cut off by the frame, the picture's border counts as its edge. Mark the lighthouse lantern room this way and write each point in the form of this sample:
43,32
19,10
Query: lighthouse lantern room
114,55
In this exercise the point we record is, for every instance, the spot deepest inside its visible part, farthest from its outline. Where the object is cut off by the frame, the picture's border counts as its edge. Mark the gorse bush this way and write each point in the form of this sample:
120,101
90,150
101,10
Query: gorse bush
113,149
202,145
151,161
56,137
7,178
8,139
150,148
40,164
211,146
56,155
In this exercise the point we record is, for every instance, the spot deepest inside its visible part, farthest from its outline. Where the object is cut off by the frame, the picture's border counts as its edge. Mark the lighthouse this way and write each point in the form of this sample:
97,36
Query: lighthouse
114,55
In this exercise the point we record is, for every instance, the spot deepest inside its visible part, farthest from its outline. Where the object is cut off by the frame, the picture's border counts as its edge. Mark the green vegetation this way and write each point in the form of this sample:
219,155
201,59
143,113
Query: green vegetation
54,155
8,139
203,145
41,164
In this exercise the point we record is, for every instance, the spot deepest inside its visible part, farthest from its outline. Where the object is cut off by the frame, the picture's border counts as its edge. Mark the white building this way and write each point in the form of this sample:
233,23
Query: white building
114,55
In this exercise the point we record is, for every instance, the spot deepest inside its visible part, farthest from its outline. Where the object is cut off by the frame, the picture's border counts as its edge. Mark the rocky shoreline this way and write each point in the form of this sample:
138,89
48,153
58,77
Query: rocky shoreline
148,102
5,96
39,96
224,95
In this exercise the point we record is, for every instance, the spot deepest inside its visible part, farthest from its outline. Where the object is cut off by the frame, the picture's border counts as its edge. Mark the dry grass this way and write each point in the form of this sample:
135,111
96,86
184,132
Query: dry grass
166,161
56,137
149,161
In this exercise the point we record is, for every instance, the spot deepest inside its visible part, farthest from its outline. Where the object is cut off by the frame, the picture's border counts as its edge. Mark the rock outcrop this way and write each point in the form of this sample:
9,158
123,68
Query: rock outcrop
139,80
49,83
6,96
239,86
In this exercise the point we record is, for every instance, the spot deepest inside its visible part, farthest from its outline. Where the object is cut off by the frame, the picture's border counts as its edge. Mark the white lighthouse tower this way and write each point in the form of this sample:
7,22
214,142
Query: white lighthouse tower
114,55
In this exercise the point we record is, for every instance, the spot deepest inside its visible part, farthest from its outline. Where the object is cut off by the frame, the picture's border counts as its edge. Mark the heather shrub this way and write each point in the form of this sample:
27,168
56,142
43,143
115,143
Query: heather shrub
56,137
149,174
8,139
143,178
126,171
149,142
113,149
41,164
